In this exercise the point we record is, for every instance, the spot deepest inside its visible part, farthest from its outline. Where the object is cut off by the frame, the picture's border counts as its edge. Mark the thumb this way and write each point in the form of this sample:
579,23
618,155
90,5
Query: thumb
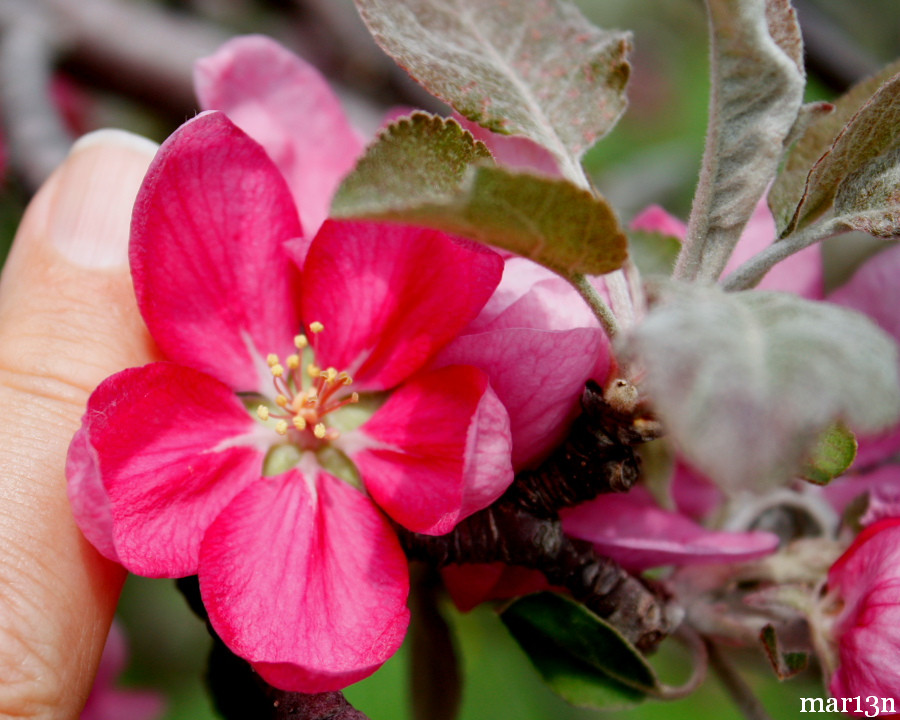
67,320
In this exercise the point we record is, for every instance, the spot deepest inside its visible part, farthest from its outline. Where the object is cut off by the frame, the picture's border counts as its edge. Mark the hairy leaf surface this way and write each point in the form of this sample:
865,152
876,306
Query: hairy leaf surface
866,146
549,220
536,68
869,198
758,84
746,382
787,190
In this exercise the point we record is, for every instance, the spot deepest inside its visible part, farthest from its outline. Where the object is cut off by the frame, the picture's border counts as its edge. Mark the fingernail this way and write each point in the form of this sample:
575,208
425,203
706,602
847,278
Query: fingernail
90,211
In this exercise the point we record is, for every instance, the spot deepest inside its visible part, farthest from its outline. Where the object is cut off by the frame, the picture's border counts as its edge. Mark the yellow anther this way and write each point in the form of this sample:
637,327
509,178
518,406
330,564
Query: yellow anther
316,327
299,422
277,370
300,342
331,374
320,430
344,379
313,370
281,427
272,359
281,401
293,361
262,412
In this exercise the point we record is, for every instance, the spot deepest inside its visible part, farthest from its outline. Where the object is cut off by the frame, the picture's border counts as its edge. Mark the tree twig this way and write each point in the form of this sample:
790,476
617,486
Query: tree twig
741,693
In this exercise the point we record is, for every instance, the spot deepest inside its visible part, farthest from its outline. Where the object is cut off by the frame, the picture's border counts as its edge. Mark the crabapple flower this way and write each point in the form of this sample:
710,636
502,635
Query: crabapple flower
295,411
534,337
106,701
864,583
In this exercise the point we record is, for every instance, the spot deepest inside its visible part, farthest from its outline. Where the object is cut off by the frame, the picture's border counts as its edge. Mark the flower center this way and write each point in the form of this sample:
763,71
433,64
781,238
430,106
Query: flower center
305,395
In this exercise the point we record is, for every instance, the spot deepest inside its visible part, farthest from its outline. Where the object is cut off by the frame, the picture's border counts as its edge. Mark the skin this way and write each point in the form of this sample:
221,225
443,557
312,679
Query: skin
68,319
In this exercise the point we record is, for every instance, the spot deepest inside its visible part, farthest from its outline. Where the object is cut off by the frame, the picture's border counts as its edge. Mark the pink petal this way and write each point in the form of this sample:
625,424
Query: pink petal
867,581
695,495
656,220
801,273
212,279
304,578
391,296
633,531
874,290
284,104
531,296
471,585
166,446
513,151
87,494
538,375
438,450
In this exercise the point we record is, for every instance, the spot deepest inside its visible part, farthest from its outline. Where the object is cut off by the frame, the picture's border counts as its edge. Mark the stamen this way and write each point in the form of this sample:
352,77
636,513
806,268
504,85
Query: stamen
300,342
277,370
313,370
281,427
262,412
320,431
299,422
316,327
293,361
271,359
281,401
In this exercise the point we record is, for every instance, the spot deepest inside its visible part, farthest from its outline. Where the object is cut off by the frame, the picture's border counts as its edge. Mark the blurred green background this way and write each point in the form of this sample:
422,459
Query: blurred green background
652,156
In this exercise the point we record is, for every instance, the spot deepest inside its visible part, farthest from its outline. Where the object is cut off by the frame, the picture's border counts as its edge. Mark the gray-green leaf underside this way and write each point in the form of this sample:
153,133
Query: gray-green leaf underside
746,382
788,189
536,68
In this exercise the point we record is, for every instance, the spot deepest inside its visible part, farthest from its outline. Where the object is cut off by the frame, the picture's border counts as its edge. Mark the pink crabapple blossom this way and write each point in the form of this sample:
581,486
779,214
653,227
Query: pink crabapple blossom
313,384
224,462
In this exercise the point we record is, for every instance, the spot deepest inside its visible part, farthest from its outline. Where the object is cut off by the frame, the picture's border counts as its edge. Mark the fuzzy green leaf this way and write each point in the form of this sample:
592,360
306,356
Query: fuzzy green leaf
528,67
578,654
421,157
758,84
874,131
549,220
787,190
746,382
833,453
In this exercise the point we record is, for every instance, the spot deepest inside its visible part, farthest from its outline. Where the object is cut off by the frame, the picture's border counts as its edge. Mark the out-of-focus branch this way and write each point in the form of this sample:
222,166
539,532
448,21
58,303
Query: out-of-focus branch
134,48
35,133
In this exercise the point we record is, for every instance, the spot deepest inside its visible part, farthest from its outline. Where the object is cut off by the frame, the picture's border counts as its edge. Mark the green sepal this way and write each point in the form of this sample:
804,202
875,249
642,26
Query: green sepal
785,664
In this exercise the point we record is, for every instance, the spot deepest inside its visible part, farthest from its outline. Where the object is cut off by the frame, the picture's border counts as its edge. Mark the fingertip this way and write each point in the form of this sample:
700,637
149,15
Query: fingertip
88,213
